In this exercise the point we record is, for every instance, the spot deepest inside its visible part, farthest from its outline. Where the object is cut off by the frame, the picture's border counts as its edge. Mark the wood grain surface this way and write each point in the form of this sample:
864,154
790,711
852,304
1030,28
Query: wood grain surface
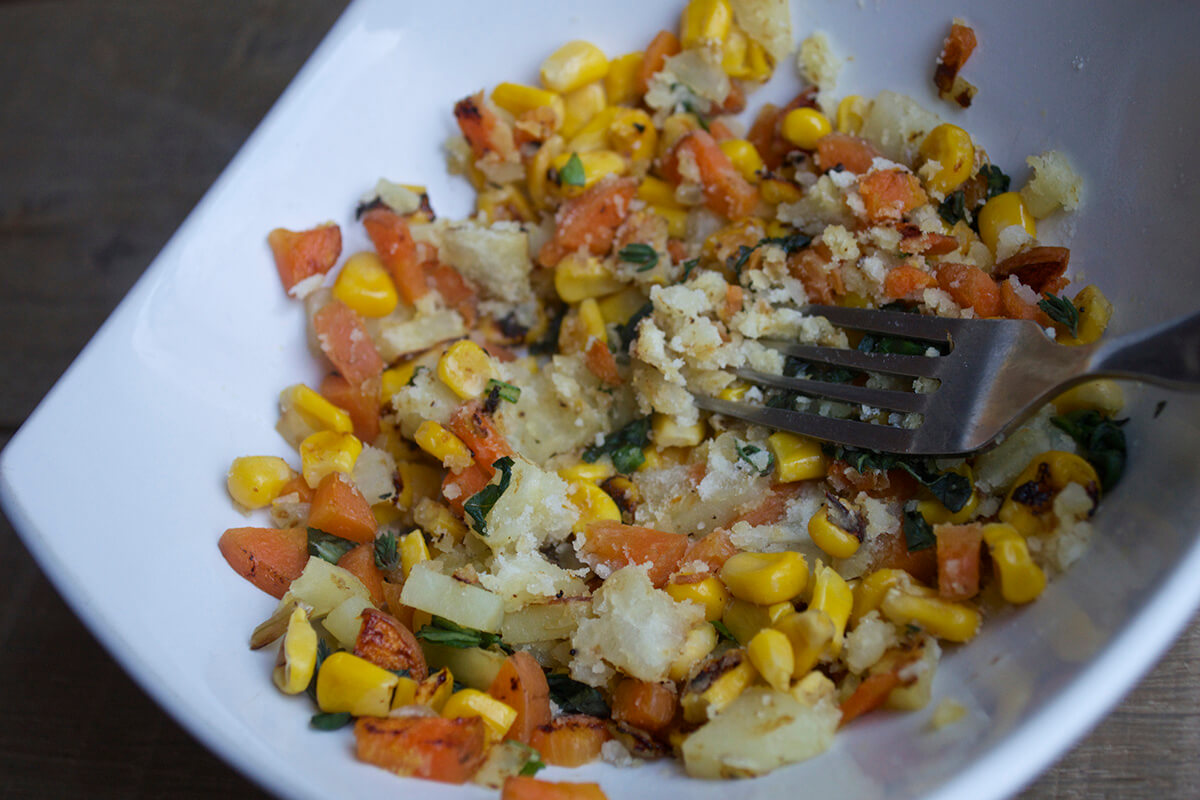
114,119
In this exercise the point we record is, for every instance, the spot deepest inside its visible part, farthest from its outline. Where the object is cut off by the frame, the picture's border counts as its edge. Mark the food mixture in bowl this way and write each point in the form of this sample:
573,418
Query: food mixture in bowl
511,538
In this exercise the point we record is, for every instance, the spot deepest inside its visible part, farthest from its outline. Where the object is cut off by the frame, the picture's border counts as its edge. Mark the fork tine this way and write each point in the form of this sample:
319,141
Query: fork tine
922,366
892,323
849,432
877,398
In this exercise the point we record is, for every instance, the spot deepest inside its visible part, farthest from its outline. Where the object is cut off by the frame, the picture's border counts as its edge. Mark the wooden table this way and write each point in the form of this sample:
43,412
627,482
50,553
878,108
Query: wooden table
114,118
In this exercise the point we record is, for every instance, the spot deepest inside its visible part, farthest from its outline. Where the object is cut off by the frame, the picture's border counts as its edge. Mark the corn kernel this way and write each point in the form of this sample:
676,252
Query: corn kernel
797,458
813,688
575,64
297,654
592,503
583,471
804,127
436,689
869,592
578,277
592,320
778,230
708,593
777,611
735,54
346,682
705,22
832,595
581,105
593,135
716,685
255,481
466,368
516,99
775,191
850,114
536,172
836,542
386,513
1004,211
810,633
951,147
734,391
771,654
1060,468
405,693
657,192
744,157
936,513
1101,395
744,619
633,135
1021,580
674,128
317,413
417,480
396,378
765,578
666,432
365,285
619,307
677,220
413,550
621,82
954,622
701,640
1095,311
443,445
497,717
326,452
758,61
504,203
597,164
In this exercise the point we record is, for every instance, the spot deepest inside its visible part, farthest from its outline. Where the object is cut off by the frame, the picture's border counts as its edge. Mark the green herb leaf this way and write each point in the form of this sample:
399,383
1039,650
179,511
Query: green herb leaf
1062,311
953,208
323,652
533,762
997,181
572,173
387,554
790,244
794,367
1101,440
765,462
952,489
688,266
327,546
624,446
723,630
872,343
638,253
574,697
507,391
479,504
627,458
918,534
323,721
444,632
412,380
628,331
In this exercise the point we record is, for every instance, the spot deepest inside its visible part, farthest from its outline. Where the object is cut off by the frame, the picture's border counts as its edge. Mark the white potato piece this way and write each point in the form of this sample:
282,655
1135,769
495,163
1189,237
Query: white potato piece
324,587
473,667
897,125
539,622
428,590
345,621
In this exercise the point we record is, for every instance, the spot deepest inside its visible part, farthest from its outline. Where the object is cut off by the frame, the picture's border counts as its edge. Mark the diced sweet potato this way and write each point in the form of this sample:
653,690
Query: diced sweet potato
664,45
338,507
269,558
644,704
396,248
589,221
522,685
851,153
302,254
520,787
970,287
908,281
360,562
345,342
600,362
360,401
1039,268
889,194
446,750
726,192
617,545
958,549
714,550
386,642
570,741
478,430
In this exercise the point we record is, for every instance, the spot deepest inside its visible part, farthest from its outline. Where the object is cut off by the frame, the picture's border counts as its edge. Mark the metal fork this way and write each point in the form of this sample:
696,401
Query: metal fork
996,374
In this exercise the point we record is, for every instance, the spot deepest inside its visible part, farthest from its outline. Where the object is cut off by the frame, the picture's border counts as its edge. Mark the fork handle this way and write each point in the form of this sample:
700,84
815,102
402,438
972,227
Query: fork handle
1167,354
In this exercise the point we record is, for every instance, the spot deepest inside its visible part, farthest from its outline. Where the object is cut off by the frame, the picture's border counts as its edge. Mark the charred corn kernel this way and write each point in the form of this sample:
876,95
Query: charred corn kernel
666,432
705,22
413,551
797,458
619,307
832,595
536,172
255,481
326,452
936,513
744,157
810,633
1021,580
1094,314
297,654
592,319
516,99
869,592
765,578
597,164
593,135
657,192
578,277
417,480
718,683
951,147
365,285
592,503
708,593
621,82
744,619
443,445
318,413
1004,211
804,127
850,113
435,690
954,622
700,641
497,717
575,64
583,471
405,693
674,128
632,134
581,105
771,654
836,543
775,191
676,220
1033,492
346,682
466,368
1099,395
813,688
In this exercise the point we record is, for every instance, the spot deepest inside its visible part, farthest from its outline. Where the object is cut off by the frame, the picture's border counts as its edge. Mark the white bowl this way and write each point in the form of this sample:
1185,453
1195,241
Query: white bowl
116,481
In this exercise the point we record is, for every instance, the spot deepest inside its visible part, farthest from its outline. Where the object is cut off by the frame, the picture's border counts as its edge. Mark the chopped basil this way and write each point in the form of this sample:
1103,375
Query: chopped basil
479,504
761,461
997,181
444,632
506,391
641,254
799,368
572,173
723,630
790,244
950,488
386,552
953,208
627,458
533,763
628,332
323,721
918,534
624,446
574,697
327,546
1101,439
872,343
688,266
1062,311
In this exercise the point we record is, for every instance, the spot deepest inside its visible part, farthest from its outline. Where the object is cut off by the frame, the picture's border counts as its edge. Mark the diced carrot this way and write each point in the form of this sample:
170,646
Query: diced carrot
600,362
678,250
720,131
852,153
387,642
1039,268
522,685
267,557
644,704
454,289
471,423
889,194
522,787
664,45
479,124
302,254
970,287
589,221
906,280
338,507
714,550
396,248
913,240
391,595
1013,306
435,748
734,103
457,487
345,342
891,550
298,486
894,484
360,562
811,267
360,401
773,507
762,133
958,560
870,695
570,741
617,545
734,295
726,192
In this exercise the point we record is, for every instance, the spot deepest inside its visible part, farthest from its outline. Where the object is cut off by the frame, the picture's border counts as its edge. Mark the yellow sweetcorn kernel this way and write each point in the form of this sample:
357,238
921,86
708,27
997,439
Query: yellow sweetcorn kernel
734,391
1031,499
619,307
745,158
954,622
505,203
1004,211
417,480
735,54
317,413
700,641
765,578
497,717
1095,311
850,114
365,285
581,105
537,171
326,452
936,513
575,64
810,633
832,595
297,654
592,320
677,220
633,135
869,593
597,164
718,683
1102,394
797,458
708,593
674,128
804,127
436,689
346,682
705,22
666,432
813,688
771,654
1021,580
744,619
657,192
778,230
835,541
386,513
405,693
466,368
516,99
775,191
951,147
593,135
592,503
777,611
578,277
583,471
443,445
413,550
621,82
758,61
255,481
396,378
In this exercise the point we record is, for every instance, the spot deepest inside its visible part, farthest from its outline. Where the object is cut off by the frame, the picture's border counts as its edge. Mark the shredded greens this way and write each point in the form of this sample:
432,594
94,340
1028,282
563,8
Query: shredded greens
1101,440
645,256
574,697
327,546
444,632
1062,311
623,446
479,504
